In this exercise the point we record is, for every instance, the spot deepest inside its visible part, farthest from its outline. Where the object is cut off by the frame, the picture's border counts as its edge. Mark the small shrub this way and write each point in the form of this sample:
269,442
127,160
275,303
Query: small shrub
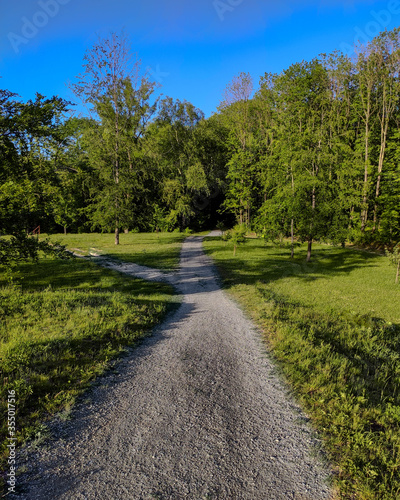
221,226
238,236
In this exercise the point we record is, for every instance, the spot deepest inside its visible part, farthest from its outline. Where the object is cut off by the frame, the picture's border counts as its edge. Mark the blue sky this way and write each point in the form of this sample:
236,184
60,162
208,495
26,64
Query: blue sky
192,47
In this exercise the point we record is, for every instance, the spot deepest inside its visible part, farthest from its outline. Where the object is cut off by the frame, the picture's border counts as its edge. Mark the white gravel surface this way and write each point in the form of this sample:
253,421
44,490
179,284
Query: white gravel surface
197,411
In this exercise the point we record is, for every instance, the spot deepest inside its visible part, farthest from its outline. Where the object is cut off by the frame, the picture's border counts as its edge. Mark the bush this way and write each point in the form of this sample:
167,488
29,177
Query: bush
20,248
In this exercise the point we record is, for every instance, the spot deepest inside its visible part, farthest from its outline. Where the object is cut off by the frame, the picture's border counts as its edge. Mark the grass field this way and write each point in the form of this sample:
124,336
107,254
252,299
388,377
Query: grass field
334,327
62,322
159,250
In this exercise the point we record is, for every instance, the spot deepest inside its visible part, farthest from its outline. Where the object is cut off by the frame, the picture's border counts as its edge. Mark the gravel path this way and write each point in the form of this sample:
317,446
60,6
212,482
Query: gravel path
196,412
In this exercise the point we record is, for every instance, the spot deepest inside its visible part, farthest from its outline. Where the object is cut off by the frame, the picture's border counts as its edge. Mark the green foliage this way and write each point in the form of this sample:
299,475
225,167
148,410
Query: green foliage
226,236
273,219
237,236
187,151
112,85
30,137
162,221
20,247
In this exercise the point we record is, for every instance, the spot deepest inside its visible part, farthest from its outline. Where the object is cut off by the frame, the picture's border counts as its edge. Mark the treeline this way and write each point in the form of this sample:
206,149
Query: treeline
315,153
312,154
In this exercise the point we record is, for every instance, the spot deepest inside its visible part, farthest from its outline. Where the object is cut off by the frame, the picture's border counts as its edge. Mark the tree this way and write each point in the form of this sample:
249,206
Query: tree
184,173
344,167
27,177
112,87
29,132
237,236
366,74
387,49
236,110
302,117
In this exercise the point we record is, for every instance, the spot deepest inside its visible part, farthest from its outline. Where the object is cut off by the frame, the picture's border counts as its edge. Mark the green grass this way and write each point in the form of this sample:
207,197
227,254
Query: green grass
158,250
334,327
61,326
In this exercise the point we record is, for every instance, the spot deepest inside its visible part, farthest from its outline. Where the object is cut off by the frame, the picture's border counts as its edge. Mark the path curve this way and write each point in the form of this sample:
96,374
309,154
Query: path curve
196,412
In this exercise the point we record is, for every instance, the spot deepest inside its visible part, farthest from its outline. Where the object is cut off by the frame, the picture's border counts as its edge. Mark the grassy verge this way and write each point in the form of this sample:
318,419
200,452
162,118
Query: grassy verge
159,250
60,327
334,327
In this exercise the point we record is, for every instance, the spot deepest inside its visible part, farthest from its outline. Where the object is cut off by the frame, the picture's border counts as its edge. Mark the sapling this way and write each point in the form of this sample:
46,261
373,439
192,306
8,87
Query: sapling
221,227
238,236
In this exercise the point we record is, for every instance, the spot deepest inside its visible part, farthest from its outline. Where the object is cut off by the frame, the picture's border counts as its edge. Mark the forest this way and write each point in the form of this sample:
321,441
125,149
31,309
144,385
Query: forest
309,154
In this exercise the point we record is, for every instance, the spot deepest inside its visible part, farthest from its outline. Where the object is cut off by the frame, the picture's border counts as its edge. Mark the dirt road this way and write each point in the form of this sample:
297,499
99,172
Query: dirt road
196,412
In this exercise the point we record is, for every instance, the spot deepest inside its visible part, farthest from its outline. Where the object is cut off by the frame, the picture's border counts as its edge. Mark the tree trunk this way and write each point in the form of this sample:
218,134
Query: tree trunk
126,230
364,212
234,250
309,250
310,238
380,168
292,238
350,226
292,221
116,178
117,232
398,272
65,230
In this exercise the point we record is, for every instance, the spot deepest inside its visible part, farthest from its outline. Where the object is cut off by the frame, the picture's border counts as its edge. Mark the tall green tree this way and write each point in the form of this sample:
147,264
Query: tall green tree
28,132
175,139
237,110
119,96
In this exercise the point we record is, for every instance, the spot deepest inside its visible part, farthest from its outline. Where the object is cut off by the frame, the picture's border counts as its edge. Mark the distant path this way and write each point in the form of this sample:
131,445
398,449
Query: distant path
196,412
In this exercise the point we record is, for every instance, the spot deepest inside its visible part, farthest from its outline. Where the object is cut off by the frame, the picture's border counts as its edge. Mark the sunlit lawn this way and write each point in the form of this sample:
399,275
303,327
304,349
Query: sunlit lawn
159,250
333,325
355,281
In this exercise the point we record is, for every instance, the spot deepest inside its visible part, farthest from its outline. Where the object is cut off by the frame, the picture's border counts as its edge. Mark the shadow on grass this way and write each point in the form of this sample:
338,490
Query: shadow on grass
276,264
368,346
82,275
48,374
164,259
